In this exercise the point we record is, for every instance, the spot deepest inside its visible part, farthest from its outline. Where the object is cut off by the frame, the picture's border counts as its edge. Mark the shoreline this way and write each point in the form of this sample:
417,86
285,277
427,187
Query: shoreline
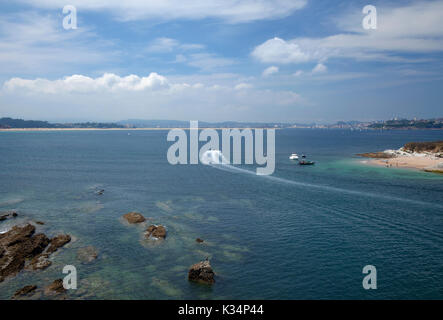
423,161
117,129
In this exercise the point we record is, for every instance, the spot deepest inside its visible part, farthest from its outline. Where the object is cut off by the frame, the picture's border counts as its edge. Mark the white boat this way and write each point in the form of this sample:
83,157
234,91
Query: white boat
293,156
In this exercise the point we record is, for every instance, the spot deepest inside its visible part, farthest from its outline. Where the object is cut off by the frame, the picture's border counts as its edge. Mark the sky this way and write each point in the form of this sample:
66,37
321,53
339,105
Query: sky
223,60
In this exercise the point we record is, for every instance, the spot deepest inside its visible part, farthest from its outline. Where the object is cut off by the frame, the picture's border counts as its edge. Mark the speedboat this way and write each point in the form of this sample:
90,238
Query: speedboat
293,156
306,163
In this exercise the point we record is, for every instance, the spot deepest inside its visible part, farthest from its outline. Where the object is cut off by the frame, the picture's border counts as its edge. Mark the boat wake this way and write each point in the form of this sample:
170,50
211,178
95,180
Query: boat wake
216,159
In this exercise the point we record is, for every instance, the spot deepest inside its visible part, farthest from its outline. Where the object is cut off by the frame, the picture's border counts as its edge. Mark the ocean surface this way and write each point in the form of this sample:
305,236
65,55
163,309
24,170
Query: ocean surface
304,233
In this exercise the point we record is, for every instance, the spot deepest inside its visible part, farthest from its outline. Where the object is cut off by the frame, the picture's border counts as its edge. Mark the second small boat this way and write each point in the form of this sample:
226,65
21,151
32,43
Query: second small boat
306,163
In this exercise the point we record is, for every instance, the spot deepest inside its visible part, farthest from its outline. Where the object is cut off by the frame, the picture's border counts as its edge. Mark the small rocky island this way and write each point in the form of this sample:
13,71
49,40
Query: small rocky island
426,156
201,272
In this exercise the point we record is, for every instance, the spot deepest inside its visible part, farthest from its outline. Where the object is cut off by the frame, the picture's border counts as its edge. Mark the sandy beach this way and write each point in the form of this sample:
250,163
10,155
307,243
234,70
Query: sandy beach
411,162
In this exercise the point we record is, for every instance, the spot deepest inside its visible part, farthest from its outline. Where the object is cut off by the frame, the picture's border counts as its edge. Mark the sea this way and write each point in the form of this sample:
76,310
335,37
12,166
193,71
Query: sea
306,232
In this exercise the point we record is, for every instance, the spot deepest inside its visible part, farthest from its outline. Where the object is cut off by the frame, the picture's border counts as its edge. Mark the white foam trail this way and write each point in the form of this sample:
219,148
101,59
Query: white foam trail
213,157
216,159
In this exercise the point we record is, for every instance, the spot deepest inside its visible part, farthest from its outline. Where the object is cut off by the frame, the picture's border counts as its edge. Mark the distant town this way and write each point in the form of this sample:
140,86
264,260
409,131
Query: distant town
10,123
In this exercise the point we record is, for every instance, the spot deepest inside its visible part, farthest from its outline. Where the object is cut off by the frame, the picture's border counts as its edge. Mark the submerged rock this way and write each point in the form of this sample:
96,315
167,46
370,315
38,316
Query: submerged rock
199,240
156,232
134,217
55,288
18,245
87,254
58,241
7,215
201,272
40,222
24,292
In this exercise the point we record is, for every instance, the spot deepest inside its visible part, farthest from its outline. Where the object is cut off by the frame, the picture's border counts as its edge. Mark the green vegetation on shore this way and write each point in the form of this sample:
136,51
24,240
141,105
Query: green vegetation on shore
9,123
408,124
431,146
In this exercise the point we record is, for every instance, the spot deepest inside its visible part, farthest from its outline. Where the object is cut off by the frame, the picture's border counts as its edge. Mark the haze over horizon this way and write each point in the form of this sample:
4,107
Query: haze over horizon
298,61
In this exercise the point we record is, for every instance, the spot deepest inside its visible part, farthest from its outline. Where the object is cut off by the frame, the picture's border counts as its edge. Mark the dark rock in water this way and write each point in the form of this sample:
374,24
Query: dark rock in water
7,215
199,240
25,291
87,254
55,288
134,217
156,232
100,192
16,246
201,272
58,241
40,222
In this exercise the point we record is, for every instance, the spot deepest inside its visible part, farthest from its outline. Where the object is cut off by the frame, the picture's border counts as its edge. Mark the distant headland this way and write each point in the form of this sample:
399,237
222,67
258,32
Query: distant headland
395,124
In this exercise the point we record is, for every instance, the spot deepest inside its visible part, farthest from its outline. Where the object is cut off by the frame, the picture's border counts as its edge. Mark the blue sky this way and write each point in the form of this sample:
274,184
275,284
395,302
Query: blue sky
263,60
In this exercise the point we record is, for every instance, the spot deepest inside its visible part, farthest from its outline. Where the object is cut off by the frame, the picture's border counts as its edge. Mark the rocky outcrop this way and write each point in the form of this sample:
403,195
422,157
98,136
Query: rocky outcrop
18,245
21,245
24,292
134,217
55,288
40,262
201,272
156,232
377,155
87,254
58,241
198,240
7,215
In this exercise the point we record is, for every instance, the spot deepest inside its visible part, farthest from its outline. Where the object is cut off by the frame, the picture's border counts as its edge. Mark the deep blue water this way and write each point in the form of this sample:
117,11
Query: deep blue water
305,233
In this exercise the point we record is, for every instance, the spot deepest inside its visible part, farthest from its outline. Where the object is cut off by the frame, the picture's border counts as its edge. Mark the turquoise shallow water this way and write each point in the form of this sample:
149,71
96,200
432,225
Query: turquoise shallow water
304,233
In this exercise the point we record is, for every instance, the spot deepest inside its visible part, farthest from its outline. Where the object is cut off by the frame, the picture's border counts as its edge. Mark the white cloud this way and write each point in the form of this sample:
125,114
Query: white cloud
233,11
270,70
84,84
280,51
113,97
298,73
319,68
415,28
243,86
32,42
162,45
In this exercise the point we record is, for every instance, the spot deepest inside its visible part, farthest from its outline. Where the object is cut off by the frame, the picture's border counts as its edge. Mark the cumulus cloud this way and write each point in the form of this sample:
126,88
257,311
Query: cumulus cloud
80,83
277,50
319,68
113,97
233,11
270,70
415,28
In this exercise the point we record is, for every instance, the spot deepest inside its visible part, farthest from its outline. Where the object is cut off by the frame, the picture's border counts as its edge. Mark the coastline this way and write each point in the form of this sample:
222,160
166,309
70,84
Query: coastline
116,129
424,161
